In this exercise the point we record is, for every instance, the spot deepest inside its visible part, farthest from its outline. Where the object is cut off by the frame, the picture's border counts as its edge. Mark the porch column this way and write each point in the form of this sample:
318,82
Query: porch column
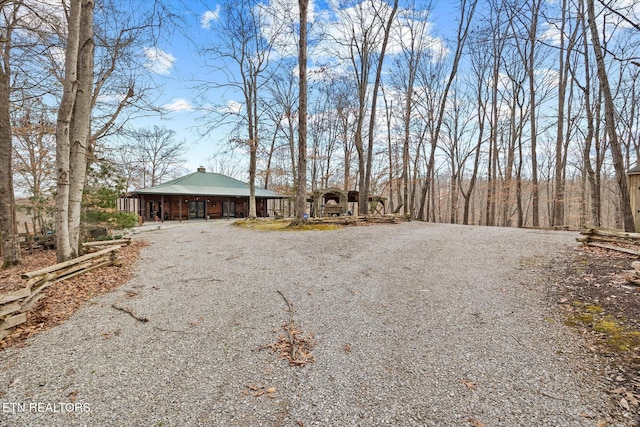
142,207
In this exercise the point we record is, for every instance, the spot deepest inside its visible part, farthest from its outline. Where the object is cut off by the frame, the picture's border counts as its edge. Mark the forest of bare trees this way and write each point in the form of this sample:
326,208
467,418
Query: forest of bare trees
520,114
502,112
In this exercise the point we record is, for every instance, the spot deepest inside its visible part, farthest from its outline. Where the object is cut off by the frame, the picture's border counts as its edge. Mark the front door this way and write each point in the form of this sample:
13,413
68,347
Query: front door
196,209
228,209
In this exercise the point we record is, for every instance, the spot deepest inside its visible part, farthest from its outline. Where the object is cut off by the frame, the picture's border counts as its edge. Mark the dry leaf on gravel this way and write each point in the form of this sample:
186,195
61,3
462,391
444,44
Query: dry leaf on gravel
470,385
260,390
624,404
293,346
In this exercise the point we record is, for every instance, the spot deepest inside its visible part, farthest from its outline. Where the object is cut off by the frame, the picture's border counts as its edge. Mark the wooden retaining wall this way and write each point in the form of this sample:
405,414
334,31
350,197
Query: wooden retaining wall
15,305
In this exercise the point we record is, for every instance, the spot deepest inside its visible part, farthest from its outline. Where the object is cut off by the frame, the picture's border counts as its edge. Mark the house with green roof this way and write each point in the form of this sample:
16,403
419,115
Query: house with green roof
202,195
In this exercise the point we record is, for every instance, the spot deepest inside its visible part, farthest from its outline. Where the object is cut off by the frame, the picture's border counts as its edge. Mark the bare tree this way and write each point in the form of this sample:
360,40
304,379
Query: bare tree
10,250
610,121
387,19
34,154
282,109
245,57
155,153
591,146
497,35
416,46
480,66
362,44
467,11
73,128
301,187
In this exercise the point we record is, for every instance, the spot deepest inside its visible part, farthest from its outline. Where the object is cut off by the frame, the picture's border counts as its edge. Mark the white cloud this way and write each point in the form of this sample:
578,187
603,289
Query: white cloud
234,107
178,104
158,61
208,17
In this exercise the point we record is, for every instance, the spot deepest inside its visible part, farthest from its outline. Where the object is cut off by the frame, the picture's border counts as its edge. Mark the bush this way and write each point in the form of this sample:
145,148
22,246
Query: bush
111,218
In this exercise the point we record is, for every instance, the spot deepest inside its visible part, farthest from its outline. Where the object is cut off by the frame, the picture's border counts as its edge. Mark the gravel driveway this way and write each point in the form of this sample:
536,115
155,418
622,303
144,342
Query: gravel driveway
415,324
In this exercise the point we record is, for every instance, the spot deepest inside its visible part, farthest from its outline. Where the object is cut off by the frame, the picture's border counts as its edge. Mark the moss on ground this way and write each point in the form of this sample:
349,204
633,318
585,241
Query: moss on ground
614,333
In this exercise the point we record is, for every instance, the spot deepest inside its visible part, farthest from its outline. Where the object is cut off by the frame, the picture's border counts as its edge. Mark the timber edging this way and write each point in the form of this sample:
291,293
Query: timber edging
619,241
15,305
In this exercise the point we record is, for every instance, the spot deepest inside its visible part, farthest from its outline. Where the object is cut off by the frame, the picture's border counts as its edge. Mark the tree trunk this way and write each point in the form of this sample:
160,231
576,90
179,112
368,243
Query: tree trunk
81,125
64,249
531,70
610,123
590,137
272,148
10,250
301,188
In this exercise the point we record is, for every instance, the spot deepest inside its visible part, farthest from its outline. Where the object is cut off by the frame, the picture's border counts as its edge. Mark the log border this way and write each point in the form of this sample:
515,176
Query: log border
15,305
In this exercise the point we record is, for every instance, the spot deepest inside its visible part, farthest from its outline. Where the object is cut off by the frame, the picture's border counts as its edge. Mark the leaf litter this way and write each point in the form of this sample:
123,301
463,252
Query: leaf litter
293,345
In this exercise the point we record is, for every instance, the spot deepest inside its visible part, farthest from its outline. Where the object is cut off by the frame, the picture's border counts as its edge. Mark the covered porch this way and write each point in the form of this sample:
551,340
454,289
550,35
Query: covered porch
185,207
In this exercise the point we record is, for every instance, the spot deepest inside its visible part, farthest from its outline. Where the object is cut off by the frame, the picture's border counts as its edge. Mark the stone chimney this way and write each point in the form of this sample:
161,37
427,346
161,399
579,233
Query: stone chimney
202,169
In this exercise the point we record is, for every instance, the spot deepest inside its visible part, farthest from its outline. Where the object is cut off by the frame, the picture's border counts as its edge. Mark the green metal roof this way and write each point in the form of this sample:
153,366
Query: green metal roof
207,184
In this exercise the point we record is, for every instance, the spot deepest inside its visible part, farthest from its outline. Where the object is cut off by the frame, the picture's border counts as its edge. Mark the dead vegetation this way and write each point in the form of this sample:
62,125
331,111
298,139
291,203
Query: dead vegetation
61,299
599,300
292,345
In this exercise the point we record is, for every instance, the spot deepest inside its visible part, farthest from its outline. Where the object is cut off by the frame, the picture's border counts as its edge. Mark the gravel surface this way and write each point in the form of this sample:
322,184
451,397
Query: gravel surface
415,324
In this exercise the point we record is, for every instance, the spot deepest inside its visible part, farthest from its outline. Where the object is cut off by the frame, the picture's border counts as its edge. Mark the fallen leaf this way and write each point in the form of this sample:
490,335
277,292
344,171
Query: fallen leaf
271,390
624,404
476,423
632,398
470,385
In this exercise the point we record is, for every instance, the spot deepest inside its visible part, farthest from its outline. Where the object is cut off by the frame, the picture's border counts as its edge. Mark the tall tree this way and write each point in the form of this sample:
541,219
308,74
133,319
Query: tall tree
415,43
387,19
562,138
155,154
34,155
10,250
361,42
73,127
301,187
467,11
610,121
244,56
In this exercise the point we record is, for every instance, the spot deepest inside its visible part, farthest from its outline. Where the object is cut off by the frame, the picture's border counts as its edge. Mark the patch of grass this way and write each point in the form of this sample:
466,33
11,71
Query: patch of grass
283,225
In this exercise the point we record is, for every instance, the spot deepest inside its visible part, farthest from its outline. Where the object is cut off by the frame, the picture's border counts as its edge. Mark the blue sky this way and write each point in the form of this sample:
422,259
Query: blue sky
177,66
